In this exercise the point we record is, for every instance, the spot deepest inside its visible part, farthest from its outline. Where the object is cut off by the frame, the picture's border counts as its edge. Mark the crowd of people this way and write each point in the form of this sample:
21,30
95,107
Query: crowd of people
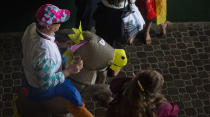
105,15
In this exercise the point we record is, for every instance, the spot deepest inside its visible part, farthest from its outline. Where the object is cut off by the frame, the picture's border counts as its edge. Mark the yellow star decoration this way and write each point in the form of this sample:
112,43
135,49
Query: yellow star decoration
77,36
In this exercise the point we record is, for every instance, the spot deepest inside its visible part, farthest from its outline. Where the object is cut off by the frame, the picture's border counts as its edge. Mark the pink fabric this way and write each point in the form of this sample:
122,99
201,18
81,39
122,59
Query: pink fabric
167,110
49,14
77,46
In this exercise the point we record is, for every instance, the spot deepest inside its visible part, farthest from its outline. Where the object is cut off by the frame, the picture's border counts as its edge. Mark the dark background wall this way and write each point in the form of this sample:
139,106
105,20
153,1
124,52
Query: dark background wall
17,14
188,10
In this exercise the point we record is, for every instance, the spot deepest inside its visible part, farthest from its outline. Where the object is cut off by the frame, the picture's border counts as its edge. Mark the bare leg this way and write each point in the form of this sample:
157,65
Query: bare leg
147,33
164,26
131,39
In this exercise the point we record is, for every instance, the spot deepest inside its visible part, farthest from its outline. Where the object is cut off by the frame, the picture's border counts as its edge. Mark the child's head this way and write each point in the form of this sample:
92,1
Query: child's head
141,95
149,81
146,82
49,14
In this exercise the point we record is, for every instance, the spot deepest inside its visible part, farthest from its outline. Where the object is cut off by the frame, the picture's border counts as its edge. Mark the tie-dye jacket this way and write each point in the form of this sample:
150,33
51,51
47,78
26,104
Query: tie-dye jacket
41,61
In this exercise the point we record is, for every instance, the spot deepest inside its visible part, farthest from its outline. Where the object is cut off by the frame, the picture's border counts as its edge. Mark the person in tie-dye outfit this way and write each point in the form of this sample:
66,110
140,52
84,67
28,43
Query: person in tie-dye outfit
43,77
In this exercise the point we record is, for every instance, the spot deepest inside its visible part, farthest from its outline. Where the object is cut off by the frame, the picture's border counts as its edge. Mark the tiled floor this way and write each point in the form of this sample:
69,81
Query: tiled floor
183,57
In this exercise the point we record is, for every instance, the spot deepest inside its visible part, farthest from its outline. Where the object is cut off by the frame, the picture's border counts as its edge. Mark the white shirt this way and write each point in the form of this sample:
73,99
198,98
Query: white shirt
41,61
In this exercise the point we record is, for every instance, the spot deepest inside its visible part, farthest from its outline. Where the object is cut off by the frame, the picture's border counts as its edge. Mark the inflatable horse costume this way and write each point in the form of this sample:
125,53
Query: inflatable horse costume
98,58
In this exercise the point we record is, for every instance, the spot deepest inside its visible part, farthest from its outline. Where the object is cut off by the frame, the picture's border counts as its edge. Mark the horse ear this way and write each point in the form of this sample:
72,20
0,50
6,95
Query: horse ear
88,35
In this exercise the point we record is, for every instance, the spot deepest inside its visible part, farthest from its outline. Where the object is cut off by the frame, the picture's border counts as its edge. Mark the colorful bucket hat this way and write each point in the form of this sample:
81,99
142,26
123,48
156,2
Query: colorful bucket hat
49,14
